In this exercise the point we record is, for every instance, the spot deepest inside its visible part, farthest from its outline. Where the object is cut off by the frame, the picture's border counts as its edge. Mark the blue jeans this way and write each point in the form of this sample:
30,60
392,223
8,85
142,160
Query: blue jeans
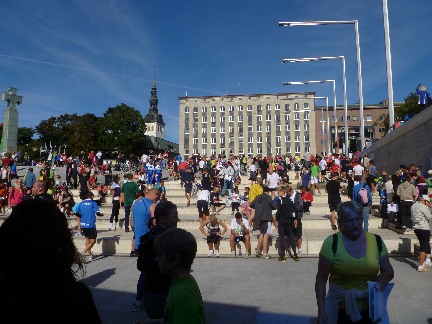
227,185
366,218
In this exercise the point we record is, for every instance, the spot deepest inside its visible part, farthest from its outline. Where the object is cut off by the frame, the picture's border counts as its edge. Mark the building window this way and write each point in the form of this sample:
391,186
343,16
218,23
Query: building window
354,118
195,131
187,130
222,119
222,109
259,139
296,106
213,109
249,108
241,150
231,108
259,150
204,109
306,105
278,128
306,138
287,138
204,140
307,148
306,127
213,119
277,107
287,108
240,108
250,129
204,151
195,119
240,118
213,140
268,128
297,138
222,129
250,139
240,129
368,118
204,119
213,130
297,149
195,110
240,139
231,118
296,116
250,150
306,115
268,117
222,140
259,117
204,130
341,119
287,127
231,130
297,127
288,149
259,128
195,151
278,150
186,110
278,139
287,117
259,108
195,140
268,107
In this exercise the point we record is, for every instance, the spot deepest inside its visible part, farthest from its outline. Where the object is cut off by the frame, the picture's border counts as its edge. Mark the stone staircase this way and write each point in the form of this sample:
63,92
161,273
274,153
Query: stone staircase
316,226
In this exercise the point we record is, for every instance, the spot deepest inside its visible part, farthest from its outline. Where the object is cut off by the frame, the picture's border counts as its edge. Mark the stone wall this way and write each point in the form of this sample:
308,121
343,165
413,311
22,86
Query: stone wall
410,143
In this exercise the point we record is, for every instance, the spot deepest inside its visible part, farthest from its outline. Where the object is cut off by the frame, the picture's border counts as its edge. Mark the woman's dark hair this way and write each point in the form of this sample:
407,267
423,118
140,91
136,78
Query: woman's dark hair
163,209
38,262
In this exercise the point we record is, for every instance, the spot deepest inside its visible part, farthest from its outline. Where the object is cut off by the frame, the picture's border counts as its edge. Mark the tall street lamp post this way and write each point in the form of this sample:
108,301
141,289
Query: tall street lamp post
325,58
334,104
359,69
388,63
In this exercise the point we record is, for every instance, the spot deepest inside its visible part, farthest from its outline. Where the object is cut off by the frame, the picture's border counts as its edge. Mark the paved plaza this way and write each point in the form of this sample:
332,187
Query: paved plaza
253,290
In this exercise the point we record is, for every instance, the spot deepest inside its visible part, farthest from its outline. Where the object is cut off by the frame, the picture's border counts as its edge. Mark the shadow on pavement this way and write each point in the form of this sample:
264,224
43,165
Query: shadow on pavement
96,279
411,261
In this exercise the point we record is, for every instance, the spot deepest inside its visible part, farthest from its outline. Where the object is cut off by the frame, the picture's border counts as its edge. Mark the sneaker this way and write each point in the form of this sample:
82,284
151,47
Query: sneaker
216,253
246,256
427,264
267,257
138,306
89,258
299,253
423,269
296,258
282,258
233,254
210,254
127,229
404,228
259,254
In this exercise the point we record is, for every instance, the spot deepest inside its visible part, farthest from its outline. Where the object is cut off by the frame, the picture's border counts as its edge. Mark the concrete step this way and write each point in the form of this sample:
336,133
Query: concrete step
119,243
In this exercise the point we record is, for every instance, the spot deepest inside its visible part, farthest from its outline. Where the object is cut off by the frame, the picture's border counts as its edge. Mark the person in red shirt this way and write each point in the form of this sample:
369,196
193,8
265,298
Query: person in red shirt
307,199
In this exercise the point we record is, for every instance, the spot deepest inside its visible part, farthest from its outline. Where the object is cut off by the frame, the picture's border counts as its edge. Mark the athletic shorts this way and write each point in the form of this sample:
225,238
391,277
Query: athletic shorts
333,205
314,180
298,231
265,227
273,189
203,208
89,233
213,238
188,189
424,239
253,176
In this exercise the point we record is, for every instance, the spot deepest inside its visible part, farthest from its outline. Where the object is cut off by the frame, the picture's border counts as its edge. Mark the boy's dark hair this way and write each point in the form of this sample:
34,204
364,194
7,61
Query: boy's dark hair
238,215
178,242
163,209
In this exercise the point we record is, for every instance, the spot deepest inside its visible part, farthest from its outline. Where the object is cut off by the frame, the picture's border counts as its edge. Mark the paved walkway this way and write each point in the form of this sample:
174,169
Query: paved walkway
253,290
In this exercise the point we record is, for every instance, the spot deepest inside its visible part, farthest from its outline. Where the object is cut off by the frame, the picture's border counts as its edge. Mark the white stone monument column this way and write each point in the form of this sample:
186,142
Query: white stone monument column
10,121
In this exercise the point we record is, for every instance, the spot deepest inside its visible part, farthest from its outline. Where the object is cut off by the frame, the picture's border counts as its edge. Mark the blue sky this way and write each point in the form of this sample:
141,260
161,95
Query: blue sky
101,53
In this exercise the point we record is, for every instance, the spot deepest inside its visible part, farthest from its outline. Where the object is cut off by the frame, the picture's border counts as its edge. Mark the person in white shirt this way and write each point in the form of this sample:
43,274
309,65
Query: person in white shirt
323,168
358,170
240,233
203,202
273,180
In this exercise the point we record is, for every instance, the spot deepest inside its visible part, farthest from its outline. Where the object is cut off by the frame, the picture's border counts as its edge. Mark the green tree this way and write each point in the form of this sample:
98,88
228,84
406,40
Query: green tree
410,105
25,135
122,128
383,123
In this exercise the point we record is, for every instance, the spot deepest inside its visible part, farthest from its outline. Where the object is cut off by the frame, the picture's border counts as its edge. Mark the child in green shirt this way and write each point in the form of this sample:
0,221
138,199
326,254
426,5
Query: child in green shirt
176,249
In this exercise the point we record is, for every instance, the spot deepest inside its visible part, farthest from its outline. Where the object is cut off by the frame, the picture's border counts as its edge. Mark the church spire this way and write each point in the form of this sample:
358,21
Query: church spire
153,98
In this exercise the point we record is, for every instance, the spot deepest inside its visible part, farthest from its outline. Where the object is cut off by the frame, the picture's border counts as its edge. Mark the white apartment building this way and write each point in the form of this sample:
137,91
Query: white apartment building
256,124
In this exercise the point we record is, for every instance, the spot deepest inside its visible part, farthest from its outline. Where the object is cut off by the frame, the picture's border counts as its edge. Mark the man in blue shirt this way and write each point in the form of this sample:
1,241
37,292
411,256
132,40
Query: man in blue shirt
366,206
88,210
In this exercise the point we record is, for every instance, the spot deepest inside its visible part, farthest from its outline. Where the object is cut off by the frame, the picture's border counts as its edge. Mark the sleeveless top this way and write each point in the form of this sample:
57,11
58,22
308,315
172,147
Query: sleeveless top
213,229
